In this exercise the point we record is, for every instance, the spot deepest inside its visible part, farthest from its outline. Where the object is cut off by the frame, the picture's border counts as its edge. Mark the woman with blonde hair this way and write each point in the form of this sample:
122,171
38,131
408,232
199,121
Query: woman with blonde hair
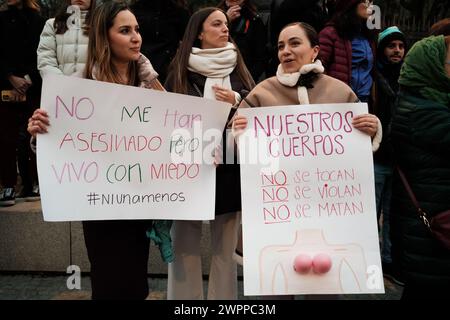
118,250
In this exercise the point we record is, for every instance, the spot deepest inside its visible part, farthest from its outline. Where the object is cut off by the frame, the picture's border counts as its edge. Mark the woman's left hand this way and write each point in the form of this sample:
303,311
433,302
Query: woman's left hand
224,94
367,123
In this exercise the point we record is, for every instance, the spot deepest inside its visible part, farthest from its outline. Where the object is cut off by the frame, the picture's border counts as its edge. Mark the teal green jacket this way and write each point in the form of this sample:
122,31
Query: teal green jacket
160,234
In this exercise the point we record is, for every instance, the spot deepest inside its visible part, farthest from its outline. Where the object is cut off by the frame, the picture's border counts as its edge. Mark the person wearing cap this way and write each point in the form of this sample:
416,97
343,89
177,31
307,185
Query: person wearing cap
347,47
390,53
420,133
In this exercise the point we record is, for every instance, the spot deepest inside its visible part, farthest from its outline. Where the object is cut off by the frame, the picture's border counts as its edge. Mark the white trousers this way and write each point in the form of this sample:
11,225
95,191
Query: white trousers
185,273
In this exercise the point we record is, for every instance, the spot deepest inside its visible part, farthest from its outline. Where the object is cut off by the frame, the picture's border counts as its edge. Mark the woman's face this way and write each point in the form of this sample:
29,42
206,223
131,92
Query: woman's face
294,49
231,3
362,9
214,33
83,4
124,38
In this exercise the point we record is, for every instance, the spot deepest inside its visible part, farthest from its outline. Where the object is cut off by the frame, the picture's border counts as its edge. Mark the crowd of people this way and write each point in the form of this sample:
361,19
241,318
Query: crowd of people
312,52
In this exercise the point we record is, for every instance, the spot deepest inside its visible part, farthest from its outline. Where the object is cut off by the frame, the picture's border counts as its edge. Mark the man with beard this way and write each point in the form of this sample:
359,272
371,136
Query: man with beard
390,53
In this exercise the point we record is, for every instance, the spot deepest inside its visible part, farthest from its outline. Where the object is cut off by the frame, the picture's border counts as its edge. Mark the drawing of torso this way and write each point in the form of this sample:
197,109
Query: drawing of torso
277,266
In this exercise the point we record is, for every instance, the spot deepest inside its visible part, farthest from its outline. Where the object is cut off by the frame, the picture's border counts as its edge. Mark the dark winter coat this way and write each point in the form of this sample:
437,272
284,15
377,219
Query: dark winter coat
249,33
387,89
421,139
287,11
228,185
19,38
162,25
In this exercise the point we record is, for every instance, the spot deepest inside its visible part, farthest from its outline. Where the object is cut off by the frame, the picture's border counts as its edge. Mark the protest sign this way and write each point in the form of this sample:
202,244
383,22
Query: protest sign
121,152
308,205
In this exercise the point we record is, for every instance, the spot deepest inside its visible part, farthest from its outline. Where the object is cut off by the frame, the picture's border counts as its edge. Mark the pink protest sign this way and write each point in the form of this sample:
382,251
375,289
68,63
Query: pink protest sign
120,152
308,205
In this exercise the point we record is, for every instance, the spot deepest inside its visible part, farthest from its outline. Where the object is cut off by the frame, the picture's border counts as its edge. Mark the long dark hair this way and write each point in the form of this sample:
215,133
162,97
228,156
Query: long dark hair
61,17
178,68
249,9
348,24
309,30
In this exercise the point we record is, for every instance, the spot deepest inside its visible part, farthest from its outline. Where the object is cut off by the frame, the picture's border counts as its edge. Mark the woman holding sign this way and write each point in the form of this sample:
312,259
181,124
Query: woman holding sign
300,80
209,65
118,250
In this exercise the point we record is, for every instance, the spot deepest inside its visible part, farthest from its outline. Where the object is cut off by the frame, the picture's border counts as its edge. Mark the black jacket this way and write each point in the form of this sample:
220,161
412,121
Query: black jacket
387,90
228,185
421,139
20,32
250,36
161,24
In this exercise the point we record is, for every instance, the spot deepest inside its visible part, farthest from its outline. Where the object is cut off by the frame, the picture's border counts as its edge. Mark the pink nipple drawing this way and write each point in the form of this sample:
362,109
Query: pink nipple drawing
321,263
302,263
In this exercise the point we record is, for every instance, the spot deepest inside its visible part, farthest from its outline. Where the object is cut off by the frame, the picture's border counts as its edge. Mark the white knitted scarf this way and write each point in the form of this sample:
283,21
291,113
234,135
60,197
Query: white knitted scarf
291,79
216,65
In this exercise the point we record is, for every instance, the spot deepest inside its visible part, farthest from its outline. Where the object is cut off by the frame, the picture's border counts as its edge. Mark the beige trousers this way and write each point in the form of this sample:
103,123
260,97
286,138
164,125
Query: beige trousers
185,273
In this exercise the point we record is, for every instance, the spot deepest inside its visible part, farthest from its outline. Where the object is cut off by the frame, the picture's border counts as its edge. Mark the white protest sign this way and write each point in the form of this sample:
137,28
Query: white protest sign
121,152
308,205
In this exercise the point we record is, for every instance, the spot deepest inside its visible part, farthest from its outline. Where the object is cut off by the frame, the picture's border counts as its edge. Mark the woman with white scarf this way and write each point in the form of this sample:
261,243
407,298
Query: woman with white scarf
209,65
300,80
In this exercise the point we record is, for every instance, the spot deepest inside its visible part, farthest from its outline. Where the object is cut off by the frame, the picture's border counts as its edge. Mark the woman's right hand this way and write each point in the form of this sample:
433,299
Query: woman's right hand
38,123
239,124
20,84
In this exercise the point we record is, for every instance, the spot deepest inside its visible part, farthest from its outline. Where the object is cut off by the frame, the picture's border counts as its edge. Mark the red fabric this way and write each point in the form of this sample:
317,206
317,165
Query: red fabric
335,54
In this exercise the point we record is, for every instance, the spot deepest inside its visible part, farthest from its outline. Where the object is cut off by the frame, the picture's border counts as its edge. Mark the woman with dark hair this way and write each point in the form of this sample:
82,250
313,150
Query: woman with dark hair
248,31
209,65
64,40
20,86
162,24
347,47
300,80
118,250
283,12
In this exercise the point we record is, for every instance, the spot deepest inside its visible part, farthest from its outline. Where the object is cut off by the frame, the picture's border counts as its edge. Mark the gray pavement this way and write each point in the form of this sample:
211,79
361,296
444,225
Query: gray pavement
53,287
35,254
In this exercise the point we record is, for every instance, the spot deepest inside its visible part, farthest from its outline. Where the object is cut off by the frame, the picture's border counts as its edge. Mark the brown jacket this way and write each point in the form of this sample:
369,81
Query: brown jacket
326,89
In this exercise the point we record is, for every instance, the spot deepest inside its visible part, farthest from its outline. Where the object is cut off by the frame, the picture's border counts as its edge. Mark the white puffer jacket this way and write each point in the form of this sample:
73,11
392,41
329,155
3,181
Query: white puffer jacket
62,53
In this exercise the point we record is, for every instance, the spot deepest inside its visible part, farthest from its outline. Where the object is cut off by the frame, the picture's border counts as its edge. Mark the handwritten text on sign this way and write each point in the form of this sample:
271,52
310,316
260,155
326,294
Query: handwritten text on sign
120,152
308,197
